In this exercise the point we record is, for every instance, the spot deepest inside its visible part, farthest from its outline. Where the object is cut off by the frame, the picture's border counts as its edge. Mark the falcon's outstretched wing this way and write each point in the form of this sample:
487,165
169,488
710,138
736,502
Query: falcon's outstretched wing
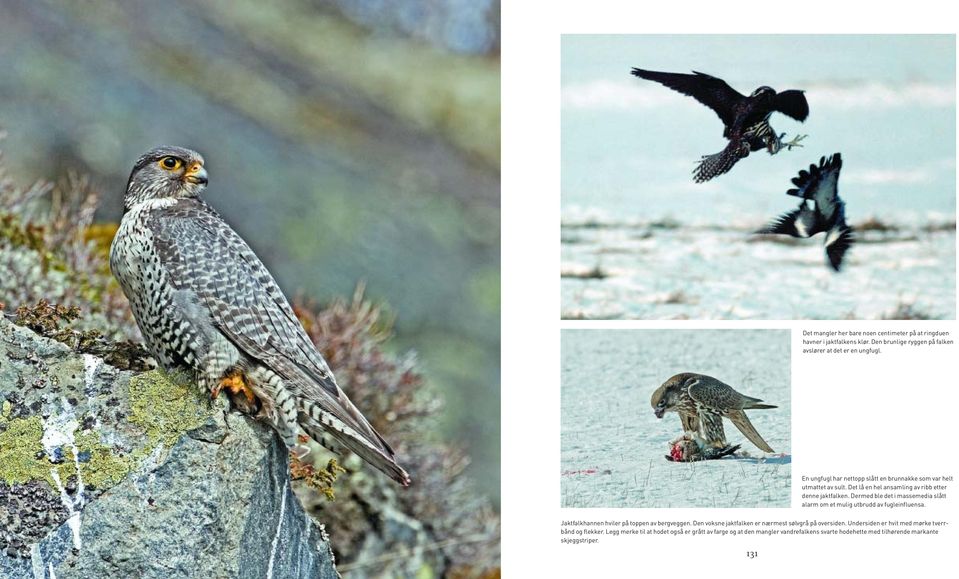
792,103
709,90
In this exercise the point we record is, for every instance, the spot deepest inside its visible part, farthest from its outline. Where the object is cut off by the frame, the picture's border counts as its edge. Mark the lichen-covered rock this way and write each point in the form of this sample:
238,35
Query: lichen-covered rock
55,279
107,473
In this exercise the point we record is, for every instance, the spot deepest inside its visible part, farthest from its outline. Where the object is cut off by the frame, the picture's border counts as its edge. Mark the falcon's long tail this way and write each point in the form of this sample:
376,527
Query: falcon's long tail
714,165
321,425
756,404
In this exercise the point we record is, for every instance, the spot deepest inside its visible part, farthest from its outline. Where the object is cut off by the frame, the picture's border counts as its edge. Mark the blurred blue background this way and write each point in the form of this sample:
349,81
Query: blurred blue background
348,141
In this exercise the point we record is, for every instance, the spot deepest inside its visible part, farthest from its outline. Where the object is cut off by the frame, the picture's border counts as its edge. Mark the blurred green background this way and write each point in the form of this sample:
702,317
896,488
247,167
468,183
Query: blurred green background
347,141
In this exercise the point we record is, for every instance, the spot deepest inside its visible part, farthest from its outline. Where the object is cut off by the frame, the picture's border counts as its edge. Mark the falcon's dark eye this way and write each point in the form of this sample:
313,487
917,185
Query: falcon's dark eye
170,163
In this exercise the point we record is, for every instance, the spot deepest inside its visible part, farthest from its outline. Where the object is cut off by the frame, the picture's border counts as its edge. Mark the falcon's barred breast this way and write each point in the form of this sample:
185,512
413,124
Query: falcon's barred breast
205,302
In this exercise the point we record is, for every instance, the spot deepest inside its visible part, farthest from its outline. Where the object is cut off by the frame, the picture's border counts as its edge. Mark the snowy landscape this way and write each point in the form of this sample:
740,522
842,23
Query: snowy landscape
613,446
671,270
641,240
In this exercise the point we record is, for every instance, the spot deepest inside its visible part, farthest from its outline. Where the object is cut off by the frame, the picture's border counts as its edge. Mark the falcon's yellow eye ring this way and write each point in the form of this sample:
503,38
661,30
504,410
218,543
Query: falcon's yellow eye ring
171,163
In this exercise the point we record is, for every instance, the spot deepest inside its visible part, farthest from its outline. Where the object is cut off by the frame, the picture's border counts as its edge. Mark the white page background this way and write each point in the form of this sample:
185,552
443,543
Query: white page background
893,415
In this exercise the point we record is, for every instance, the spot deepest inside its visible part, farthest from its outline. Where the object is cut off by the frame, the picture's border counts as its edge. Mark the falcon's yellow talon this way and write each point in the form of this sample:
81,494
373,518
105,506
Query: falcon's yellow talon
236,385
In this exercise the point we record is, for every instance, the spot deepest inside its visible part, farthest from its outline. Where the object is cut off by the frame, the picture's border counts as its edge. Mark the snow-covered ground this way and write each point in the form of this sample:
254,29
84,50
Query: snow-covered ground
666,270
613,446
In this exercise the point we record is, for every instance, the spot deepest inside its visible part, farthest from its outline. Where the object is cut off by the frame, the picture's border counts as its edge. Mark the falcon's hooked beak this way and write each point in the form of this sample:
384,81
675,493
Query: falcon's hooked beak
196,174
660,412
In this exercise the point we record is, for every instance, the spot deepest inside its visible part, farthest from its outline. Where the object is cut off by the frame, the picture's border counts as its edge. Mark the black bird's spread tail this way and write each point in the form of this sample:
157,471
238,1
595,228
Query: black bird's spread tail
822,176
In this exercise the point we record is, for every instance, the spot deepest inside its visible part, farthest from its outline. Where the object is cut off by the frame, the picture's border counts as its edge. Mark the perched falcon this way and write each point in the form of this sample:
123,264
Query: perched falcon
745,119
828,213
205,302
702,402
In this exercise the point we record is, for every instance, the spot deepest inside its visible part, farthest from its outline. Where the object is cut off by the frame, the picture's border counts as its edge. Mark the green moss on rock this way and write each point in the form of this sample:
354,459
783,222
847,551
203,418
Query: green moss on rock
19,448
165,408
22,457
105,467
160,405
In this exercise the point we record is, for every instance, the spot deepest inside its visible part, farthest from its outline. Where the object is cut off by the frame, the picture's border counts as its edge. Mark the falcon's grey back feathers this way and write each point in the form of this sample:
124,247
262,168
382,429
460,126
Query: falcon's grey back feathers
204,301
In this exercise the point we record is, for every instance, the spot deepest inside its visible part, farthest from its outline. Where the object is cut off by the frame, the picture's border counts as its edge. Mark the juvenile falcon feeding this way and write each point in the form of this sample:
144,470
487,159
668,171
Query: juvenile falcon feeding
205,302
702,402
828,213
745,118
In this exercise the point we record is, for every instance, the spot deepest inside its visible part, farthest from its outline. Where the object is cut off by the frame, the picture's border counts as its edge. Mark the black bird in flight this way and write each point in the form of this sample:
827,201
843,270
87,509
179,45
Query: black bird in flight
746,119
828,213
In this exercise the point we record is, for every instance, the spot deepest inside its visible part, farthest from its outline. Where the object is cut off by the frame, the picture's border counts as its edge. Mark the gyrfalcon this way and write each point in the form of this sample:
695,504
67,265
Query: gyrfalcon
701,402
205,302
746,119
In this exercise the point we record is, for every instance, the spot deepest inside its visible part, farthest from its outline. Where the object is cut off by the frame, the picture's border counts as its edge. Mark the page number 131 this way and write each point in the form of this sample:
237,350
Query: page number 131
752,554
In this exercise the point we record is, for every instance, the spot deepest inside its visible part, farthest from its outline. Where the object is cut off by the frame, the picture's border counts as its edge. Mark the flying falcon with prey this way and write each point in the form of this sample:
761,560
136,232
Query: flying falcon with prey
745,118
828,213
702,402
206,303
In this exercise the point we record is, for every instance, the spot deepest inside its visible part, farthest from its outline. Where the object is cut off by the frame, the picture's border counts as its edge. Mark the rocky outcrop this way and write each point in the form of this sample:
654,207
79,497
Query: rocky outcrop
109,473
